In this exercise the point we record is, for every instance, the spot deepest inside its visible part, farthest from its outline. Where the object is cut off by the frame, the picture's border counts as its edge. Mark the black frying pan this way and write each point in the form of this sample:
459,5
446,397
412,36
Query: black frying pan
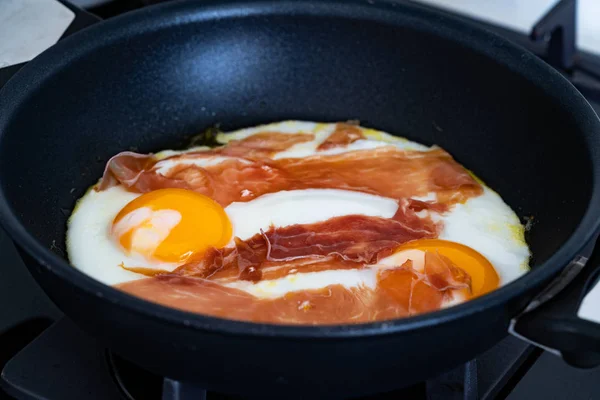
150,79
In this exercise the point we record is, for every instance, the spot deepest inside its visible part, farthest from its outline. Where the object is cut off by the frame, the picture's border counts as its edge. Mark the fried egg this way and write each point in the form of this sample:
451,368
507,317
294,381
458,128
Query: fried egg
162,229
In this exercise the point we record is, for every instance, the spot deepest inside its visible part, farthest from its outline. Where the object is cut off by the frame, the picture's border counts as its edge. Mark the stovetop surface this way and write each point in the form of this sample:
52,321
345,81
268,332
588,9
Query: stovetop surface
87,370
66,363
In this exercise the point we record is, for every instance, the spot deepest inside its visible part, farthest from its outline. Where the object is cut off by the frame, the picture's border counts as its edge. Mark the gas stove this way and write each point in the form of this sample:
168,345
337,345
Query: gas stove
43,355
64,362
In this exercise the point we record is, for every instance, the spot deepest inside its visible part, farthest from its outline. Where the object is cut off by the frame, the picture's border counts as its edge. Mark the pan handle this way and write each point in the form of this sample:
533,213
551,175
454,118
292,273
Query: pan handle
553,320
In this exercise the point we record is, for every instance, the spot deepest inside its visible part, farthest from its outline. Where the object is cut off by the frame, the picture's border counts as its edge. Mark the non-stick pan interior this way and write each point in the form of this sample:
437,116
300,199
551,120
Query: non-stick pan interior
155,85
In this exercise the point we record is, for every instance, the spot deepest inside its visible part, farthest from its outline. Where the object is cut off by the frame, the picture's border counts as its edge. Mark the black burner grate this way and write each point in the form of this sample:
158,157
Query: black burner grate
64,362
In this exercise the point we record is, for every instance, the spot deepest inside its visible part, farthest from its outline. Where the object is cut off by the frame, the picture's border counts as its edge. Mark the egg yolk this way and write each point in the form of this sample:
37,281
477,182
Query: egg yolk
171,225
484,277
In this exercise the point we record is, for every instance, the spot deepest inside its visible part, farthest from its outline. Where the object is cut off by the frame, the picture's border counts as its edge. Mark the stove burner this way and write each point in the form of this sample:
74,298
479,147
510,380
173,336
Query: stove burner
87,370
136,383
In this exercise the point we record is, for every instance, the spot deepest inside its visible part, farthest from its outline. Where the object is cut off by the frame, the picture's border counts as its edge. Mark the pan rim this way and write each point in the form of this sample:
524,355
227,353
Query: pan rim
12,96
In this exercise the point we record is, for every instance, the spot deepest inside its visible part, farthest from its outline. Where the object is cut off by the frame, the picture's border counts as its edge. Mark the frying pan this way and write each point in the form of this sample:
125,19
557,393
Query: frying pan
150,79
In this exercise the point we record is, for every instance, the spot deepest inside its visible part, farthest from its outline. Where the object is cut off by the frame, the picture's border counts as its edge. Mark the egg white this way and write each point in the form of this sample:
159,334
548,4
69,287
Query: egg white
304,207
270,289
90,247
484,223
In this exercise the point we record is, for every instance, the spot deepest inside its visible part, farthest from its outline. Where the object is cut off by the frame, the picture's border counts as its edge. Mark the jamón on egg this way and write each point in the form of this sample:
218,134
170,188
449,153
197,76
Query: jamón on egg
298,223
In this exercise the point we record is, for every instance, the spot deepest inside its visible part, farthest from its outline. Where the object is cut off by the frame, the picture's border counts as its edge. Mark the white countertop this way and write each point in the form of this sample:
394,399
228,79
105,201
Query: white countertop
28,27
521,15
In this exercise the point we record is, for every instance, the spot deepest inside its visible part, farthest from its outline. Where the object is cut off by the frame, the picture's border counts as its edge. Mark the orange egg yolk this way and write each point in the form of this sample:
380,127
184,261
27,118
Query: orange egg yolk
484,277
171,225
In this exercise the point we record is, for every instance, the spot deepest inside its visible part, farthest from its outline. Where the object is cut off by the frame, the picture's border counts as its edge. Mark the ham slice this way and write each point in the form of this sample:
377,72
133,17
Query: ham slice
248,170
400,292
343,135
357,239
385,171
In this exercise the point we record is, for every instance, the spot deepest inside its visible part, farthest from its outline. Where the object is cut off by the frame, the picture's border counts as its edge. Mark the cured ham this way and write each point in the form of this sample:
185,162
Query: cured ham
245,169
385,171
357,239
400,292
343,135
263,145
